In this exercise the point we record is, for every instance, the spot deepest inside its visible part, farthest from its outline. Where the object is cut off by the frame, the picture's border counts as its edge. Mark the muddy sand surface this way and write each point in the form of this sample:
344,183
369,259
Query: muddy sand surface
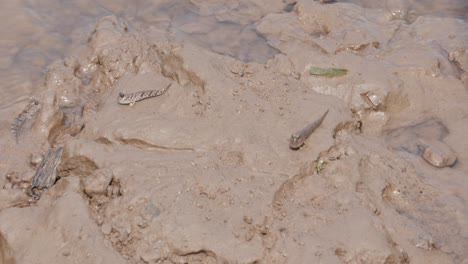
204,174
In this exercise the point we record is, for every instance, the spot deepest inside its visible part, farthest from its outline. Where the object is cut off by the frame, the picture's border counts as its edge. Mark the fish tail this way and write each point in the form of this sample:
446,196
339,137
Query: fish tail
167,87
323,116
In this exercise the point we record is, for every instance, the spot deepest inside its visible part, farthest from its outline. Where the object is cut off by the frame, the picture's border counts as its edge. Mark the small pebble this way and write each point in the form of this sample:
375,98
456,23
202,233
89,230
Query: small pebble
106,229
142,222
153,256
24,185
124,235
110,189
116,191
97,182
249,235
35,159
437,153
12,176
425,242
28,176
372,99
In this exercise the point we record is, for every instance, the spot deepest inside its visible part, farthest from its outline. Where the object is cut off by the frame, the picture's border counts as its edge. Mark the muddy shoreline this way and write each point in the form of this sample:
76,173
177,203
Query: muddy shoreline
203,172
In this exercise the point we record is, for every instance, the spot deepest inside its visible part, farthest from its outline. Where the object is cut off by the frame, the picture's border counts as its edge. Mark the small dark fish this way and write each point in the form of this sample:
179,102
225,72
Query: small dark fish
298,138
46,173
29,112
131,99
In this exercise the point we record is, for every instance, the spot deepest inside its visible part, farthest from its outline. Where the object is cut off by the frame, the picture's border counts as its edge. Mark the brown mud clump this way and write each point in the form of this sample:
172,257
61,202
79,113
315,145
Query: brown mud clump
198,132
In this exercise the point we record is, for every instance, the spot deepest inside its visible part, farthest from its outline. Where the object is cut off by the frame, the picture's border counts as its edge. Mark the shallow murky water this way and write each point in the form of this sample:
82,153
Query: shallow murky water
453,8
35,33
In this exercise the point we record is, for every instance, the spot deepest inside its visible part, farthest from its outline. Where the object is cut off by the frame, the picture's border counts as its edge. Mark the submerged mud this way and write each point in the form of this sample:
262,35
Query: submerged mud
203,173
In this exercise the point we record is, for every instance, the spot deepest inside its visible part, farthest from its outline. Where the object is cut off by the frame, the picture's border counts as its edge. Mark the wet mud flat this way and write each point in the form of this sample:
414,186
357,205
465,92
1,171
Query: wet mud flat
203,172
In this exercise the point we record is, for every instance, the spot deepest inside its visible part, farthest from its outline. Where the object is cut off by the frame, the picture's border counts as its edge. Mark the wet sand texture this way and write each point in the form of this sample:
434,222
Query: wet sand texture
204,173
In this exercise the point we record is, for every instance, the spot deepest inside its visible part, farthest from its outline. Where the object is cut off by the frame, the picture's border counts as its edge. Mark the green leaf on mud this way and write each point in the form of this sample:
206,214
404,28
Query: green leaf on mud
328,72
